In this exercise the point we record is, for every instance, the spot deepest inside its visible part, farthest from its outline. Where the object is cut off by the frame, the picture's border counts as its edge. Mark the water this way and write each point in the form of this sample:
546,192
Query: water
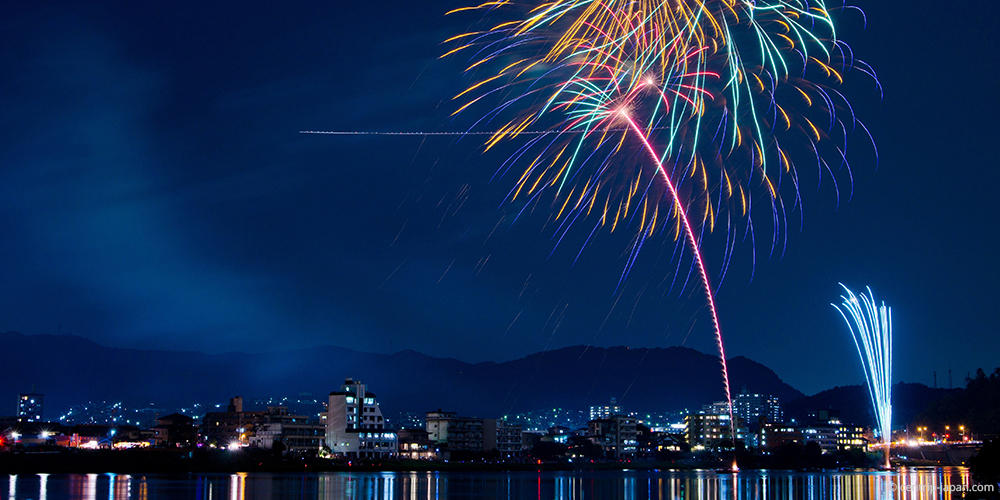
919,483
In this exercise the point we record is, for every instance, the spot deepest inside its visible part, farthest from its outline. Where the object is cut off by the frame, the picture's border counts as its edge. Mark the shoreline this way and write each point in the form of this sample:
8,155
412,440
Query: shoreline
247,461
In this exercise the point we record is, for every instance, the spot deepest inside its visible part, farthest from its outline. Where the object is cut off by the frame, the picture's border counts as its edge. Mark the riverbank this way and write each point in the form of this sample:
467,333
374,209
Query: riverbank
252,460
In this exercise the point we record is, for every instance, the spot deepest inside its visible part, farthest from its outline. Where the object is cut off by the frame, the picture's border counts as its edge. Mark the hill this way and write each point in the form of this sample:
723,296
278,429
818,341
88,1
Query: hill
908,401
70,369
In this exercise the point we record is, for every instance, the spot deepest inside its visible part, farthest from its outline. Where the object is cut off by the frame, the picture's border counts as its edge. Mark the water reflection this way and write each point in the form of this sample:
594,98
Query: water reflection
910,484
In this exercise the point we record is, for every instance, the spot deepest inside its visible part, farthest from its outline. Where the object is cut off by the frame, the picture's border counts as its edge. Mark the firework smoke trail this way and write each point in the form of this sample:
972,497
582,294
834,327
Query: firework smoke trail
870,324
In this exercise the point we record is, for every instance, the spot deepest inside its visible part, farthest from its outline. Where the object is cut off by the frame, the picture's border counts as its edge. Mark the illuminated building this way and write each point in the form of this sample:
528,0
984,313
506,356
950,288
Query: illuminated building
831,434
716,408
415,444
355,427
29,407
616,435
751,408
825,435
708,430
851,437
600,412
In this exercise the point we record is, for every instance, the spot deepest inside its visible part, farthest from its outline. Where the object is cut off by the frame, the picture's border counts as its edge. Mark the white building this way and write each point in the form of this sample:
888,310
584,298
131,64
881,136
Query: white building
604,412
355,427
751,408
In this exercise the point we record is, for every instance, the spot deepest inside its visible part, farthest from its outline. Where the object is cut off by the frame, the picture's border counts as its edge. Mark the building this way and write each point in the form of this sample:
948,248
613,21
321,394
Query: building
851,437
827,430
603,412
355,427
717,408
825,435
175,431
297,433
232,427
753,408
658,443
775,435
451,432
29,407
752,412
617,435
415,444
708,430
508,441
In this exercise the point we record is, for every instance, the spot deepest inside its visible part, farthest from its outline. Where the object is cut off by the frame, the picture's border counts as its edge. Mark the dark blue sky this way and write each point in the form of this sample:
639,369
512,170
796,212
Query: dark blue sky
154,193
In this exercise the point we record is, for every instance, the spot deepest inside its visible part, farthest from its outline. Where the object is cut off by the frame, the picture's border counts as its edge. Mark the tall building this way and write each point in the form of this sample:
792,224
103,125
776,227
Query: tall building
616,435
355,427
717,408
706,430
602,412
29,407
508,438
752,408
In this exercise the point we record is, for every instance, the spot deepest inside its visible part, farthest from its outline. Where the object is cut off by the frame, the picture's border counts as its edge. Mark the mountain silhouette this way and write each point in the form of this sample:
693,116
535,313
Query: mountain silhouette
71,370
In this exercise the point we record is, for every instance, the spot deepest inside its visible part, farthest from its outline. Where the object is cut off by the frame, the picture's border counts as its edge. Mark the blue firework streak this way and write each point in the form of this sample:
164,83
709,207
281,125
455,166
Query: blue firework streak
870,324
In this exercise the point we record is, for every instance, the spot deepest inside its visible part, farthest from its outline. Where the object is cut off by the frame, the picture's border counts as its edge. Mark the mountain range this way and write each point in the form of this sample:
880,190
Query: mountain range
71,369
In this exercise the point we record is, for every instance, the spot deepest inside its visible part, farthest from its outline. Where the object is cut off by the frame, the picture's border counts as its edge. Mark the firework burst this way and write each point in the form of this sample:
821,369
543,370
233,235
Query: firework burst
720,97
733,94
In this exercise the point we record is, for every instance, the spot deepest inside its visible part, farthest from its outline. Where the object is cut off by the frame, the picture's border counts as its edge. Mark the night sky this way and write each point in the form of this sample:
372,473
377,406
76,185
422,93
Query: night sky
154,193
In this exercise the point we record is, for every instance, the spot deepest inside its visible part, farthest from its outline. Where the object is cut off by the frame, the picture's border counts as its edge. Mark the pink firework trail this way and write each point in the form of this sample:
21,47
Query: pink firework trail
696,251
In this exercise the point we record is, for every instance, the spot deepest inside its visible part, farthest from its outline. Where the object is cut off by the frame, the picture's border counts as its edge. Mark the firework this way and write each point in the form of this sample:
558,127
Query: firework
722,96
870,324
731,92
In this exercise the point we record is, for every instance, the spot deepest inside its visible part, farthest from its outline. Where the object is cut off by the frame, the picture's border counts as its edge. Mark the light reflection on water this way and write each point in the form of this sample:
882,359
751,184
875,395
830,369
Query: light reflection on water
922,483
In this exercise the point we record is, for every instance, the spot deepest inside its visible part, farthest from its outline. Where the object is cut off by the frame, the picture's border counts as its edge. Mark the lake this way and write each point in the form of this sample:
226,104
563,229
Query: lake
911,483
